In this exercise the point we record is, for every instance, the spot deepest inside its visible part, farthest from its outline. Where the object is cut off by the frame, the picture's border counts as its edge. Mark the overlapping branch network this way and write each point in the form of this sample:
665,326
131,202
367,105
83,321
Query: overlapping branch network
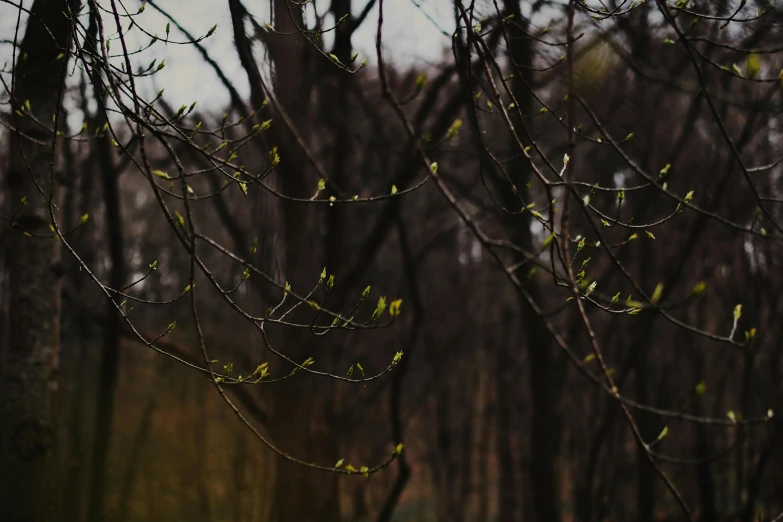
586,225
534,88
141,128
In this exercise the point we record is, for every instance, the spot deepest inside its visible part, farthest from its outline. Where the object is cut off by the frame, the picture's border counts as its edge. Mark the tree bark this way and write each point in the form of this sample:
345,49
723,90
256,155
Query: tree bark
546,367
508,491
28,457
107,379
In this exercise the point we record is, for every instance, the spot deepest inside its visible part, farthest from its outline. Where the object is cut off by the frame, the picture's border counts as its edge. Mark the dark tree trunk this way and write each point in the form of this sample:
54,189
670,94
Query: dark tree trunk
508,490
645,473
107,377
545,365
28,458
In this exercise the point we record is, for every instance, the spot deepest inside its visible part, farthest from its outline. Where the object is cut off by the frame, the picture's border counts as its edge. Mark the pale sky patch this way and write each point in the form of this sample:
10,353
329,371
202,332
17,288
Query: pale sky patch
410,39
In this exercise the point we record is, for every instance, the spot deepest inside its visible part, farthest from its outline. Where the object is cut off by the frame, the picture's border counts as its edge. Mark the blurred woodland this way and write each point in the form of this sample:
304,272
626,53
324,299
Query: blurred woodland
551,265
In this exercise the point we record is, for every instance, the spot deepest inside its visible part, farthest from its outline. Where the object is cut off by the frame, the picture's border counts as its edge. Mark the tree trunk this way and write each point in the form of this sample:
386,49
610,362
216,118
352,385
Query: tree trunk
507,489
28,457
546,367
107,379
645,473
303,407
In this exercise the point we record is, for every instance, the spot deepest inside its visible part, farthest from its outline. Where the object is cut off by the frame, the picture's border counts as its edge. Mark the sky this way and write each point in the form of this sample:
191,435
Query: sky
409,38
412,35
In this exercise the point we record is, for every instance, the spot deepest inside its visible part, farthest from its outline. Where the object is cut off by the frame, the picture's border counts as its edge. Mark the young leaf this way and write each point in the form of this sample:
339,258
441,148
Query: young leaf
657,293
699,288
261,369
274,157
379,308
394,307
454,129
242,186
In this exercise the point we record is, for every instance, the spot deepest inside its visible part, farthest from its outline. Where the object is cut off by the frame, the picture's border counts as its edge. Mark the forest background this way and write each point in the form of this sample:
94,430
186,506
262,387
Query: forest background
387,260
